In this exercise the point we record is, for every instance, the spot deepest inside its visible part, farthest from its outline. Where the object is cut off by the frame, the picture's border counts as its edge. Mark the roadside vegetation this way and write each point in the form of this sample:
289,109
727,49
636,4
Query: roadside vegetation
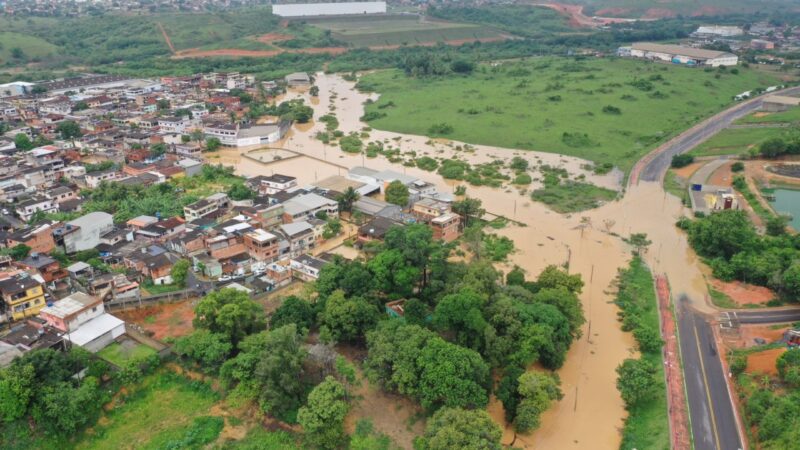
592,108
641,381
729,243
771,400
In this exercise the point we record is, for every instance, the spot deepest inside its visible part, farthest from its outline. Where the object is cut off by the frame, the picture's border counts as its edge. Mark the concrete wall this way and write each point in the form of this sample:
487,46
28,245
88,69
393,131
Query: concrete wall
328,9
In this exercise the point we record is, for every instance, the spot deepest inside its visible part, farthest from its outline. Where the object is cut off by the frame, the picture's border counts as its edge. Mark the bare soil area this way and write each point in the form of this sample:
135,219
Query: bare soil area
168,320
764,362
743,293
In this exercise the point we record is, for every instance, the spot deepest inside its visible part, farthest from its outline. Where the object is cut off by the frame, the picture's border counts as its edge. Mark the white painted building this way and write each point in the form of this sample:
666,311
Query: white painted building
679,54
328,9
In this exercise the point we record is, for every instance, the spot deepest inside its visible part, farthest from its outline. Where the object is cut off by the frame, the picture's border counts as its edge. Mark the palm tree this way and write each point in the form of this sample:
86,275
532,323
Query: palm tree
347,198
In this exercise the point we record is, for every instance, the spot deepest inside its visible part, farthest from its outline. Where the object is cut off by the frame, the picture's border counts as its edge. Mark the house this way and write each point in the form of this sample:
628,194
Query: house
159,268
376,208
93,179
31,335
236,135
375,229
298,79
48,268
23,297
262,245
190,167
272,184
267,216
187,244
69,313
206,206
428,209
306,267
84,233
446,227
27,208
60,194
280,273
306,206
299,238
38,237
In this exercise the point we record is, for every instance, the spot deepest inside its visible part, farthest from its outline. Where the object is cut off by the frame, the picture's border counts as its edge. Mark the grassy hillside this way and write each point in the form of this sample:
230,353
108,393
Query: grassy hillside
18,46
521,20
605,110
672,8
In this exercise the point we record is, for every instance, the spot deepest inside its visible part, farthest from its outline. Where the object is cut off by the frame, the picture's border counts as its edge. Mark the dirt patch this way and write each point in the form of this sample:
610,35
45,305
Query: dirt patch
723,176
162,321
274,37
658,13
743,293
610,12
764,362
764,333
687,171
577,19
708,11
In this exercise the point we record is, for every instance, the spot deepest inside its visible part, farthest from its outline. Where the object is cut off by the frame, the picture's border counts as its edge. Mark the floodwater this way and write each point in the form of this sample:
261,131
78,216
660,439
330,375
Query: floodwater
591,414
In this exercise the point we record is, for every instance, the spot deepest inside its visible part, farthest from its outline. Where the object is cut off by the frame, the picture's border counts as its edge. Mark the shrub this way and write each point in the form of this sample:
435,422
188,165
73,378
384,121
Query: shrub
683,160
439,129
609,109
738,166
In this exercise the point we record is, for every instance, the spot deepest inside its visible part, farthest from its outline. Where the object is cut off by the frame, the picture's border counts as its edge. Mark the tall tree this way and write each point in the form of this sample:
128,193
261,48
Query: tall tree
397,193
537,390
323,416
278,371
637,381
347,198
179,272
69,130
347,319
469,209
452,428
230,312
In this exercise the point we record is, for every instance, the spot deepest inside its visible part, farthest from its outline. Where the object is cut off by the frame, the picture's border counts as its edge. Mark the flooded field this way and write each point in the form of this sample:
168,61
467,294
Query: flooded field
591,413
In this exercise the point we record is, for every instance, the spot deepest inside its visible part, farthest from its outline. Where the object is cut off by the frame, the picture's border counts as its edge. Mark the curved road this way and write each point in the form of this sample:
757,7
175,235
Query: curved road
654,165
713,415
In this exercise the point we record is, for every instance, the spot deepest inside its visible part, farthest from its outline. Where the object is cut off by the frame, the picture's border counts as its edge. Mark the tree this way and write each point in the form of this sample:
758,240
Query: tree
639,241
415,312
158,150
397,193
346,319
452,376
722,234
16,391
788,365
19,252
293,310
230,312
17,53
518,163
537,390
508,391
332,229
213,144
637,381
553,277
314,91
791,281
682,160
63,408
515,277
208,349
452,428
393,275
69,130
772,147
23,142
347,198
460,313
179,272
469,209
567,303
323,416
238,192
278,370
776,225
196,135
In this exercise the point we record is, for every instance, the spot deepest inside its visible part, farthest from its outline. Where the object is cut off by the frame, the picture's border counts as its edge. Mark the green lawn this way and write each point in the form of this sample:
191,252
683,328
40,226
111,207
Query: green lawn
647,425
735,141
119,354
676,186
560,105
721,299
161,413
570,197
790,116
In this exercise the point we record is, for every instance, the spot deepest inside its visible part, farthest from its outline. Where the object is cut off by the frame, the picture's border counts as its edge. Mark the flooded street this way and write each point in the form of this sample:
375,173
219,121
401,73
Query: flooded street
591,414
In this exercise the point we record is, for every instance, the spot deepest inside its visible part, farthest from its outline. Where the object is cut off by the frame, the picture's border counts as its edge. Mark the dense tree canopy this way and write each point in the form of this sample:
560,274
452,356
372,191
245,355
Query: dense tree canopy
452,428
322,418
230,312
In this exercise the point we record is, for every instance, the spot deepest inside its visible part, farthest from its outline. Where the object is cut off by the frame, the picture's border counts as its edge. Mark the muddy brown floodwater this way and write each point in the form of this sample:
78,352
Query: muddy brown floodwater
591,413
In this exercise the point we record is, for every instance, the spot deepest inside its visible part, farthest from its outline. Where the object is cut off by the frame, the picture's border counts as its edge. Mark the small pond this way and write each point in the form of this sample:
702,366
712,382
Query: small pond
787,201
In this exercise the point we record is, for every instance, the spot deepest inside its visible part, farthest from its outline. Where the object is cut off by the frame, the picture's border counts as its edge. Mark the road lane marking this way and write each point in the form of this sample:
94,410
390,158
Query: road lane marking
705,385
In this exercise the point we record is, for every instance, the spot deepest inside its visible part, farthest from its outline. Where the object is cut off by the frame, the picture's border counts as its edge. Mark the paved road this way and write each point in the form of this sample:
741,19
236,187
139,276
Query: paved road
658,162
714,425
759,316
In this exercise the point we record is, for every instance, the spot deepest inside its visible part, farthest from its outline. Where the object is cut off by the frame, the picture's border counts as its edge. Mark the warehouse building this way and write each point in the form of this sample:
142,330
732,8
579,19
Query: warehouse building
328,9
679,54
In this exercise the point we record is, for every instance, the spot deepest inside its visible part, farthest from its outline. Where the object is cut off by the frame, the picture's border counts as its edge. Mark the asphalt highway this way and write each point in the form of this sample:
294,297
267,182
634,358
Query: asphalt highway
714,425
759,316
660,160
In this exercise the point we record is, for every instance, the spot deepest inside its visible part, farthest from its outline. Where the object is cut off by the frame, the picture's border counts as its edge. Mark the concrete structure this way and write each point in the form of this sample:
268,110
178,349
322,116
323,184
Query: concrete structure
307,206
328,9
679,54
84,233
97,333
306,267
446,227
23,296
719,30
231,135
262,245
778,103
761,44
206,206
69,313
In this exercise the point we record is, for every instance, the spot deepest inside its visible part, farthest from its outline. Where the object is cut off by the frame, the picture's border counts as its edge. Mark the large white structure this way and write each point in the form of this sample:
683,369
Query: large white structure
328,9
719,30
231,135
679,54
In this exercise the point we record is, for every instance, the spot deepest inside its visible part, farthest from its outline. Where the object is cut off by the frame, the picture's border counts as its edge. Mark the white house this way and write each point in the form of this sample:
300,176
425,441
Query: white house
84,232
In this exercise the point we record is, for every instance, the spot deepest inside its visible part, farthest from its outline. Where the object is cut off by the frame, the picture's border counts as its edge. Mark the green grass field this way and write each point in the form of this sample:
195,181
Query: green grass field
157,415
31,47
790,116
735,141
656,8
399,30
604,110
119,354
